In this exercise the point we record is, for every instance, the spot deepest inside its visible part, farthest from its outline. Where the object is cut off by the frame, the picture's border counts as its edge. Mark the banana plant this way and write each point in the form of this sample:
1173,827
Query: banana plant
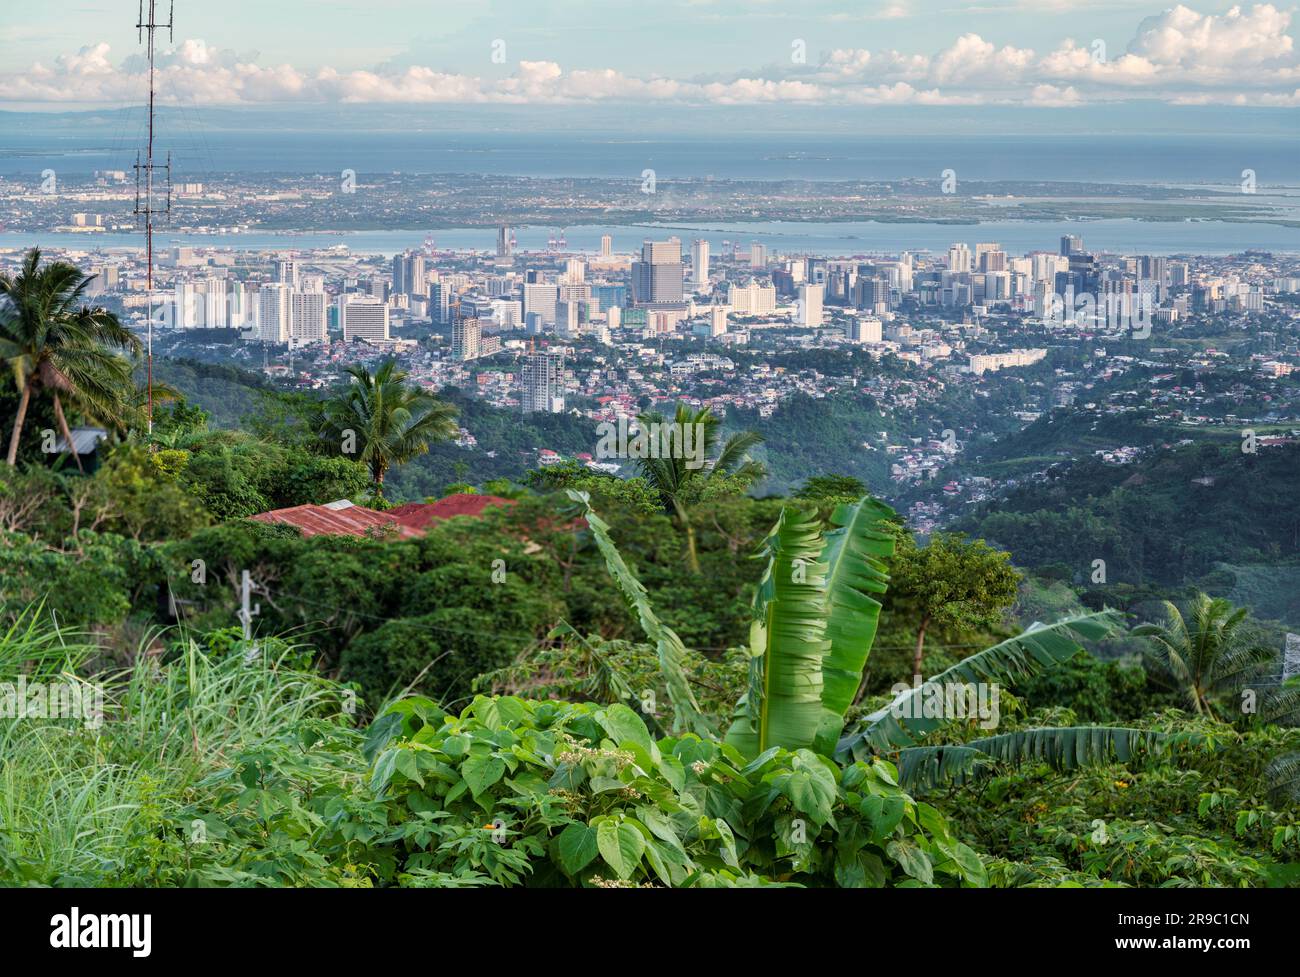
1040,646
815,616
1060,747
668,646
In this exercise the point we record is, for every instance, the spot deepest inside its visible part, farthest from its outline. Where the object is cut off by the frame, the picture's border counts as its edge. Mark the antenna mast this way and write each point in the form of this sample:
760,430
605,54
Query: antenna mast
146,27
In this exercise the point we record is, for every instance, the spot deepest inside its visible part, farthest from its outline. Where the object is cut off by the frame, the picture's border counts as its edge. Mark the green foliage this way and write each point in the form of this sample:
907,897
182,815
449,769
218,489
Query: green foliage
547,793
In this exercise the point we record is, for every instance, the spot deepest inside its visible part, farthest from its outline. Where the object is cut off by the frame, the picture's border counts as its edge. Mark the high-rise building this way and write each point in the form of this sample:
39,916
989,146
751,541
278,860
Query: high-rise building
575,271
959,259
286,272
990,258
307,318
752,299
274,303
541,387
408,274
758,256
363,317
186,309
541,297
568,318
504,249
700,261
657,279
810,305
1071,244
863,329
466,339
606,246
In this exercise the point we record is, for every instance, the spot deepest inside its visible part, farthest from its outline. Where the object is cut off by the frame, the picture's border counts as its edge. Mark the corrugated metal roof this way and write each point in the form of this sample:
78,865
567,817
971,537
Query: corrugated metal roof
419,515
342,518
84,439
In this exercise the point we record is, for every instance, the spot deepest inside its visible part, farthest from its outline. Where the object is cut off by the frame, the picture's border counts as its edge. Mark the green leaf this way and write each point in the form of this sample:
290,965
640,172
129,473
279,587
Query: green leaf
622,724
481,771
621,846
791,605
1060,747
854,555
810,787
408,765
671,651
576,847
913,860
904,719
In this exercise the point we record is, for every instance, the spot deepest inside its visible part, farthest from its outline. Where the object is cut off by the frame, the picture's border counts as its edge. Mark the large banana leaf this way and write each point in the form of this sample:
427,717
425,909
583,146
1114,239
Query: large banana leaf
668,647
790,636
854,555
899,723
1062,748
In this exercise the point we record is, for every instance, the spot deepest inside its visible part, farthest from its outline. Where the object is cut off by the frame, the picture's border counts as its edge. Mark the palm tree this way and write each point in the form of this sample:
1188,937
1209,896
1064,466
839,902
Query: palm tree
679,485
381,420
52,342
1213,653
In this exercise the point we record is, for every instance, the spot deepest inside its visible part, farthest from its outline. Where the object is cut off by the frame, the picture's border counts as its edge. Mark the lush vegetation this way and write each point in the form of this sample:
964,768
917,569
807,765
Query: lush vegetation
655,681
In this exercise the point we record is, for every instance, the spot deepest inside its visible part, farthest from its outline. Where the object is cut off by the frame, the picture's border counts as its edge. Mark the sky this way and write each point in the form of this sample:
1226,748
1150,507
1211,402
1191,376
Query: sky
1054,54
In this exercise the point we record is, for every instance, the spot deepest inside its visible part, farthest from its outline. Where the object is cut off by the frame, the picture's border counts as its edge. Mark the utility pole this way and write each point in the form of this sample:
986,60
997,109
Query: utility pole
145,28
247,611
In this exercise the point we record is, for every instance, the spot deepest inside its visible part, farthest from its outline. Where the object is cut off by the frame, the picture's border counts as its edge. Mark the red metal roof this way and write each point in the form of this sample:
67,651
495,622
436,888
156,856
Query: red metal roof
405,521
419,515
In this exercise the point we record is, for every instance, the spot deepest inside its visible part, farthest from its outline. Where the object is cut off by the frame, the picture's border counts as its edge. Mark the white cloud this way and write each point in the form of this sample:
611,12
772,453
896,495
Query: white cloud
1242,56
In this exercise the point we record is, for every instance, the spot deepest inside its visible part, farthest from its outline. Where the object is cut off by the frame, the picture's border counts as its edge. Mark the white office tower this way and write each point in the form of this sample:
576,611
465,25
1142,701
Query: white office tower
568,318
1047,265
541,298
313,283
238,303
717,320
363,317
508,313
905,269
575,271
700,261
466,339
214,304
959,259
186,309
810,305
614,316
504,246
541,389
758,256
752,299
286,272
533,324
307,323
863,329
606,246
274,303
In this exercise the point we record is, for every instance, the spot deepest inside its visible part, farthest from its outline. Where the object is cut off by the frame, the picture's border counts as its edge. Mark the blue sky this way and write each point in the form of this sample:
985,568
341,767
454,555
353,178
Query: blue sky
1040,52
